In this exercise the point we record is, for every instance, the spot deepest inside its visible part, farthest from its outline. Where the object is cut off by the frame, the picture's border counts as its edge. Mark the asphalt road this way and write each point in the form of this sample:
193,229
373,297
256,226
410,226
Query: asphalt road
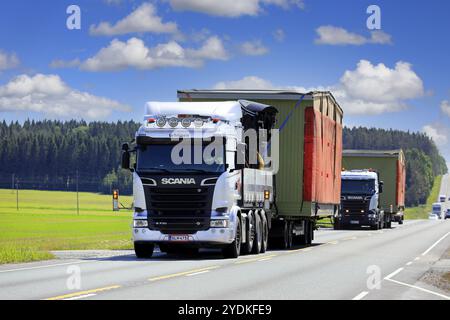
355,264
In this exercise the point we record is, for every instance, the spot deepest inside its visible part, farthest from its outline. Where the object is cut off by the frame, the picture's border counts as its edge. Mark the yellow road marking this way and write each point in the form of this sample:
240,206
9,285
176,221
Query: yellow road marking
179,274
333,242
83,293
255,259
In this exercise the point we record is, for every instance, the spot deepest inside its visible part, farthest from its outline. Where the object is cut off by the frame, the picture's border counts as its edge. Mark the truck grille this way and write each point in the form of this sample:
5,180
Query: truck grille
355,206
179,210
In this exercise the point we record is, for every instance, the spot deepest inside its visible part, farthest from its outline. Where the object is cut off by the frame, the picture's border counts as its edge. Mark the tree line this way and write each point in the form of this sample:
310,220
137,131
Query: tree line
423,160
56,155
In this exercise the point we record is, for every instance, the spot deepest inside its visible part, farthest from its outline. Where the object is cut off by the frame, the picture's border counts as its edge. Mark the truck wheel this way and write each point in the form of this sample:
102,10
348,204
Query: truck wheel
376,226
400,221
233,250
257,245
247,247
265,233
143,250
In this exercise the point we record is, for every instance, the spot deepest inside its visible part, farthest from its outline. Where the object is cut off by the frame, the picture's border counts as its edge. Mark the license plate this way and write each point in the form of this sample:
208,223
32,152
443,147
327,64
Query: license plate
178,237
354,222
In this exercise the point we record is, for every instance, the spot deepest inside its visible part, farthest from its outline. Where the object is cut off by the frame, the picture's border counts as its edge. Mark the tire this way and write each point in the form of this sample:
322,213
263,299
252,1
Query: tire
376,226
265,234
247,247
233,250
400,221
257,244
143,250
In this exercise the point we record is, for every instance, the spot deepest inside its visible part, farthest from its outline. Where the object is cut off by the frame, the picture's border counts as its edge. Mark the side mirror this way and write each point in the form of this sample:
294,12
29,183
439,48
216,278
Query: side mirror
126,160
125,147
380,187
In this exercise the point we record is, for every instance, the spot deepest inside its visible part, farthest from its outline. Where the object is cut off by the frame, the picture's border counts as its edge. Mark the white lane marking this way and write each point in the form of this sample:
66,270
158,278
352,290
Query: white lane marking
82,297
196,273
409,263
333,242
417,258
419,288
393,274
361,295
43,267
435,244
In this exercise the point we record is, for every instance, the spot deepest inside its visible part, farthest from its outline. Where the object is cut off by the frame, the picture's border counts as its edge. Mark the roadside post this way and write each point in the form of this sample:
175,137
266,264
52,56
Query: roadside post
115,200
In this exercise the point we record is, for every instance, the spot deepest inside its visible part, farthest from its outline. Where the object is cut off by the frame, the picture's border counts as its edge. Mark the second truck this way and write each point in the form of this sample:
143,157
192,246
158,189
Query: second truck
238,206
373,189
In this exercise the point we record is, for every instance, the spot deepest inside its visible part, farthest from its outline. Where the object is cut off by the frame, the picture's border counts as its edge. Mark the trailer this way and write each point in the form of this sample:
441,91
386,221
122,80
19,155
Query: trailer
391,167
308,182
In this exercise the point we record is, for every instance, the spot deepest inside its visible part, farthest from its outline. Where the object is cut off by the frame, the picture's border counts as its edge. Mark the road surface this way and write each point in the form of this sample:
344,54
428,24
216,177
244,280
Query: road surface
355,264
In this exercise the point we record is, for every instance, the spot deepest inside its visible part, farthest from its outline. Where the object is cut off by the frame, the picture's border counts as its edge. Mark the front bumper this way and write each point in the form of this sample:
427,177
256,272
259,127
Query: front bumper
212,236
357,220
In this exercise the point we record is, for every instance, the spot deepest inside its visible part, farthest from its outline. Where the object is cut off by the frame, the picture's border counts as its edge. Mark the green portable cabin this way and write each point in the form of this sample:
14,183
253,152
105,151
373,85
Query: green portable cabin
308,182
391,167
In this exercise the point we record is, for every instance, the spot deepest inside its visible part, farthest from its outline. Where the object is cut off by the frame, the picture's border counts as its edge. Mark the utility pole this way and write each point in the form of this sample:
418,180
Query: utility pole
78,198
13,185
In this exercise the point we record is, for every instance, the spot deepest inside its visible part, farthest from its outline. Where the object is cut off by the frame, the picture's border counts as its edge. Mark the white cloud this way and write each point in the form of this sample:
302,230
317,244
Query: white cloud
119,55
232,8
438,132
143,19
445,107
376,89
330,35
253,48
50,95
367,90
279,35
8,61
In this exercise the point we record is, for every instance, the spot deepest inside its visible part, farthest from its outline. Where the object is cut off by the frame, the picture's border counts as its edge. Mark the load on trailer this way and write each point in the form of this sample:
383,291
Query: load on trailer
308,182
390,167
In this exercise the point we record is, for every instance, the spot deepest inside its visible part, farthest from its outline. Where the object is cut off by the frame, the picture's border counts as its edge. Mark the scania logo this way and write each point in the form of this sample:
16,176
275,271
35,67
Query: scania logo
178,181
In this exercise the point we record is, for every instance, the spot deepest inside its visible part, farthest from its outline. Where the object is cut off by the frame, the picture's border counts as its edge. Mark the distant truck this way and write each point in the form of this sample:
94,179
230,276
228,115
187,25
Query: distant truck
438,210
232,205
360,200
391,170
442,198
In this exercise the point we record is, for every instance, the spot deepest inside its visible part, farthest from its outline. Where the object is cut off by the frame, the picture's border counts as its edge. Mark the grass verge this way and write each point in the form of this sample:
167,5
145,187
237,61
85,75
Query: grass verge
49,221
422,211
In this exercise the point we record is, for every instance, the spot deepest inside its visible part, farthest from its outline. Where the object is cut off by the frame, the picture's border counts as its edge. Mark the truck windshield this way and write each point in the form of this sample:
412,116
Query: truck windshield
163,158
358,186
437,208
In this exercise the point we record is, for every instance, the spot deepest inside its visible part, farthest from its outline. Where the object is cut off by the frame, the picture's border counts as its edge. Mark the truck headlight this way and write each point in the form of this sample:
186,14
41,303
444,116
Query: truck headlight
220,223
140,223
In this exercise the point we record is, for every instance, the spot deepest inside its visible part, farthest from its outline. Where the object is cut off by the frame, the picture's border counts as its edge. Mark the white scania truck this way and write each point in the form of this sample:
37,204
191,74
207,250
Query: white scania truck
199,181
214,195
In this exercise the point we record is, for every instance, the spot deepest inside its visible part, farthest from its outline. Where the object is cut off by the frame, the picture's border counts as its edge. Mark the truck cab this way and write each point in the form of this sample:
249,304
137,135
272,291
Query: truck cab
360,198
195,184
442,198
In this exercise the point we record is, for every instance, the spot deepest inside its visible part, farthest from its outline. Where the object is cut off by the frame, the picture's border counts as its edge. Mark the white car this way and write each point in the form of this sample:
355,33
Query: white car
433,216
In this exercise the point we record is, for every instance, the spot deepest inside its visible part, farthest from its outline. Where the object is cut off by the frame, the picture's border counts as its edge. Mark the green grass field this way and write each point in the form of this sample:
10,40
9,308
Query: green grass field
422,211
48,220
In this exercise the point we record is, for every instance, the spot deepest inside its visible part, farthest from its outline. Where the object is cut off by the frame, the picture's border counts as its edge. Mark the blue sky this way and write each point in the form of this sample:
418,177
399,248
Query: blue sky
206,46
